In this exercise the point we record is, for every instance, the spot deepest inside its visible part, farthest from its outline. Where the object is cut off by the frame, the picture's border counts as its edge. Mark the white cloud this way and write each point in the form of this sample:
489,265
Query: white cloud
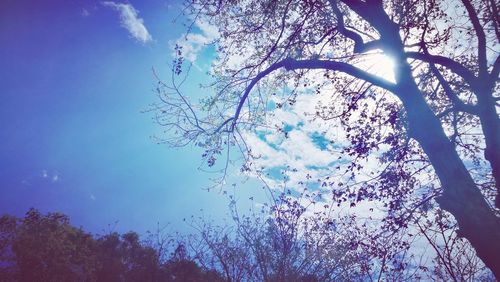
130,20
85,12
210,31
301,152
55,177
193,43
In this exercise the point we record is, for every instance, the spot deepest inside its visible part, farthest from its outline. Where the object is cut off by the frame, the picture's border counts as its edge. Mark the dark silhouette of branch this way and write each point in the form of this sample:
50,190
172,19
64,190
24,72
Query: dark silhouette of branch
450,64
292,64
481,37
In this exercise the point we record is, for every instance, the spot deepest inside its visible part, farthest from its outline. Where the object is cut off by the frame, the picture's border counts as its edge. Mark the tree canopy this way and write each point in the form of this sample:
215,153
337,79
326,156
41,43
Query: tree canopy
277,243
47,247
433,129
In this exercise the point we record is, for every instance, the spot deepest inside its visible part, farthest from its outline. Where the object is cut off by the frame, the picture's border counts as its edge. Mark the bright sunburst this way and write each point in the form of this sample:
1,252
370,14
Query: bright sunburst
380,65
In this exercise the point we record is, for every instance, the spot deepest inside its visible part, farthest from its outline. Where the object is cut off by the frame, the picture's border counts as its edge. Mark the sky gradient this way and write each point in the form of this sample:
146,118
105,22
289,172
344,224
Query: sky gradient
74,78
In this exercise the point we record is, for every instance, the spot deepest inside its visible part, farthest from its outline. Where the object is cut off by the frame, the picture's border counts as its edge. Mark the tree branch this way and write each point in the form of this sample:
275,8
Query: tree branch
496,69
481,37
457,103
373,12
450,64
359,45
292,64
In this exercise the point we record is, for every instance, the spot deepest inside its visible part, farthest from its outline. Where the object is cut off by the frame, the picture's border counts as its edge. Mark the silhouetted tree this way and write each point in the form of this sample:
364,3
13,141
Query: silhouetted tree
437,118
454,260
124,258
46,248
281,244
180,267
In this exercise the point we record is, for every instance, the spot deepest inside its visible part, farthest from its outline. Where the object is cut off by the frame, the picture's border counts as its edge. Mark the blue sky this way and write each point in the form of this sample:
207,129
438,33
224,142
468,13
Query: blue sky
74,79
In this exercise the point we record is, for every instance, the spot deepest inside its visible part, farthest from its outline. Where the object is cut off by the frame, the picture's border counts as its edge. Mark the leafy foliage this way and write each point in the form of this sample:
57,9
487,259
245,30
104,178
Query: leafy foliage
47,248
426,140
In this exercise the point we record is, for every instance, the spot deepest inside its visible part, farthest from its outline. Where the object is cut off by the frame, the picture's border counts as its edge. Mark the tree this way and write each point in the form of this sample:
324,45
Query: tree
455,260
45,248
125,258
445,84
180,267
277,243
7,234
282,243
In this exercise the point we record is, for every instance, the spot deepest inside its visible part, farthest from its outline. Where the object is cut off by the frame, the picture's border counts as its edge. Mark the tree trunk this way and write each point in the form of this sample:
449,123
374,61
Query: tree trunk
461,196
490,124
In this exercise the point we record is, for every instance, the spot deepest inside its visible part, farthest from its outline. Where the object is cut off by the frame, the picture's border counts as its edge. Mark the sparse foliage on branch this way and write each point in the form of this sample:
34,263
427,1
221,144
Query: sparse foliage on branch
454,258
433,129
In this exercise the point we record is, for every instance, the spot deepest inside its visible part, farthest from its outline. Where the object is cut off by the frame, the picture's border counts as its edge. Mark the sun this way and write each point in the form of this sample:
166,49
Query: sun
380,65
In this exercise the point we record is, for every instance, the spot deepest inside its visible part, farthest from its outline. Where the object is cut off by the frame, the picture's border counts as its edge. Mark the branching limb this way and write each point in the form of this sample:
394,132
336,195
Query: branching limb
481,37
450,64
292,64
359,45
457,103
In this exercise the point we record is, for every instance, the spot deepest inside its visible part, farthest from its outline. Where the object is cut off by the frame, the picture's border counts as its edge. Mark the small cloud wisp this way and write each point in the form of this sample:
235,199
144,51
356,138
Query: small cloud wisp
129,18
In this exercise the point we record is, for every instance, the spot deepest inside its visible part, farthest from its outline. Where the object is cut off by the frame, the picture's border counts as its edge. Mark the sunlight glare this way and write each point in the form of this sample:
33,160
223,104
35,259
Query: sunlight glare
380,65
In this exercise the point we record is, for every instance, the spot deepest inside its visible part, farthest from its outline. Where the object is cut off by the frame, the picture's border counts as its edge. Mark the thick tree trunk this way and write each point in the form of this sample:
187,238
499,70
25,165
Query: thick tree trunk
461,196
490,123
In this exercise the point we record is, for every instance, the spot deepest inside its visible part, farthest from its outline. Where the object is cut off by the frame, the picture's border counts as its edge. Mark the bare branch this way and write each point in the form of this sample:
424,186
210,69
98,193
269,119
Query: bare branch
481,37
